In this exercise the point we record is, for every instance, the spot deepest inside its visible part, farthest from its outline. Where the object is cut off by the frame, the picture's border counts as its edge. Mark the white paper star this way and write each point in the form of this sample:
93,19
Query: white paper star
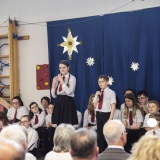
90,61
70,44
110,80
135,66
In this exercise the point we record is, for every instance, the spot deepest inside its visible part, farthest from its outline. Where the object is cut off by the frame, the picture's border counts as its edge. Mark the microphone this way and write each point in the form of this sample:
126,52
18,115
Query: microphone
98,98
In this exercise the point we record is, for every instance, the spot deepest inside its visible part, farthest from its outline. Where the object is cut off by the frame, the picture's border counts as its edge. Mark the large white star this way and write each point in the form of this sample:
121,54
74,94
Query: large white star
90,61
70,44
135,66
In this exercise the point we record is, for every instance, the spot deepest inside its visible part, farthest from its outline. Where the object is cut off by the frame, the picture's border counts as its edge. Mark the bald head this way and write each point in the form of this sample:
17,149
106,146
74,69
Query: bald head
114,132
10,150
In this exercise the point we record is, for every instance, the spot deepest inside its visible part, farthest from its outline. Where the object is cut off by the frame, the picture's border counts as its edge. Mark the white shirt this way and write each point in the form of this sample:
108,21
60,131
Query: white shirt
145,120
79,116
117,114
69,91
29,156
87,120
150,132
41,120
58,156
21,111
137,118
48,120
109,97
32,138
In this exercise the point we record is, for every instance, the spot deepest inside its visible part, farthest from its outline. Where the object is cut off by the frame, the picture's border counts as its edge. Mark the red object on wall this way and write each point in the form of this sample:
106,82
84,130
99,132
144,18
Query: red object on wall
42,73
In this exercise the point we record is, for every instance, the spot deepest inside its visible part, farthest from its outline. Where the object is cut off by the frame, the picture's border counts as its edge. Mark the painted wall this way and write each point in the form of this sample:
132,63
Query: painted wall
35,50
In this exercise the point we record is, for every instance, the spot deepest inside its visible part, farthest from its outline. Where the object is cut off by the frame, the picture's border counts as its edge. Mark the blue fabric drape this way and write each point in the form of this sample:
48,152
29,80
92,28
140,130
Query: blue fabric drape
114,41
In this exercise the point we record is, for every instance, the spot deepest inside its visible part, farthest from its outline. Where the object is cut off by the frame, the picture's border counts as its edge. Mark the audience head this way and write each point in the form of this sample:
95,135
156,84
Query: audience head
129,91
16,102
16,133
90,106
45,102
147,148
25,121
3,119
153,106
11,150
115,133
62,137
156,116
130,101
84,144
50,108
142,97
34,109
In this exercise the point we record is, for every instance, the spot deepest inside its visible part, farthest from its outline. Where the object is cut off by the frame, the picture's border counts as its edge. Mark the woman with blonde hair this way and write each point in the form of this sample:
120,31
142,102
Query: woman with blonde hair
147,148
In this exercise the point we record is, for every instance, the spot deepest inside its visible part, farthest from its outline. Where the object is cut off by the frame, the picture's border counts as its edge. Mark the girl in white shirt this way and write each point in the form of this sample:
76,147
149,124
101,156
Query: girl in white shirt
132,119
89,119
38,123
155,130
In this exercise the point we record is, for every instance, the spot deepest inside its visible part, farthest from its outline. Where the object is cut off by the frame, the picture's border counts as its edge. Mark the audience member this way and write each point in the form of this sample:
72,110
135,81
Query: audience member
50,127
155,130
147,148
117,112
132,119
3,120
89,119
32,134
10,150
153,106
45,102
127,91
116,137
17,110
62,137
84,145
18,134
38,123
143,101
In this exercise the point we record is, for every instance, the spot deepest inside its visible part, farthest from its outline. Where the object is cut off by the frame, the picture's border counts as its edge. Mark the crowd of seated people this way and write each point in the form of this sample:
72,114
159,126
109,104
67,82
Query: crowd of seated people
37,120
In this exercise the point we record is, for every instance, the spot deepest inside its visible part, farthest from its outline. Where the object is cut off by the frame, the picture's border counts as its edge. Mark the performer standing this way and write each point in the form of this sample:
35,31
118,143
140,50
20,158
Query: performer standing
63,87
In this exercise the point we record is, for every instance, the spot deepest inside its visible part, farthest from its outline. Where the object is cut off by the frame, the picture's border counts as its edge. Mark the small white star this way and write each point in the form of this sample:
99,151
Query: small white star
90,61
110,80
135,66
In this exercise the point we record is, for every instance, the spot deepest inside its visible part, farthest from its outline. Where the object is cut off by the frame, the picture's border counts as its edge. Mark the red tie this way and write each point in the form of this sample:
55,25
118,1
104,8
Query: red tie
0,129
130,118
100,101
36,120
60,87
154,133
15,115
92,118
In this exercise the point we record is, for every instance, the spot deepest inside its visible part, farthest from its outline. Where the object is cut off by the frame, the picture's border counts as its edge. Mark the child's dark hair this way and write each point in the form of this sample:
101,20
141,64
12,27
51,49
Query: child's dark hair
142,93
45,98
31,114
154,102
19,99
104,77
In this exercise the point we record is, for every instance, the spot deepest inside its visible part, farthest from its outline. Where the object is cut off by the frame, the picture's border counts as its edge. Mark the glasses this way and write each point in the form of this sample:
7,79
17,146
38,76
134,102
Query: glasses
141,98
15,102
99,82
23,122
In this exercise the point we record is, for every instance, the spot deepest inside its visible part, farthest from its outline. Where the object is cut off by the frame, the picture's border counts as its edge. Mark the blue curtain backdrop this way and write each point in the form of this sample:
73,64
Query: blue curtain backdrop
114,41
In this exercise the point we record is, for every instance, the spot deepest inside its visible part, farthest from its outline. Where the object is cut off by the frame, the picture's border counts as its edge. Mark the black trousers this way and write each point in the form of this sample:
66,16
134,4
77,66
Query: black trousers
102,118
